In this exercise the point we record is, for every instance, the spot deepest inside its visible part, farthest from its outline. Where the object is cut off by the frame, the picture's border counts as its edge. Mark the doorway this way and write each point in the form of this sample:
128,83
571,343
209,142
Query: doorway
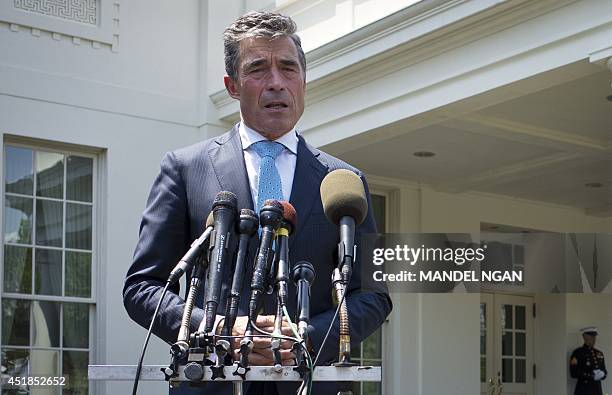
506,344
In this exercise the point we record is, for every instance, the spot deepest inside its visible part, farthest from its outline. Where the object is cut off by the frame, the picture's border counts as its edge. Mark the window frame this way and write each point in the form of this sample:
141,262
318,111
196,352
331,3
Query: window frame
93,301
384,359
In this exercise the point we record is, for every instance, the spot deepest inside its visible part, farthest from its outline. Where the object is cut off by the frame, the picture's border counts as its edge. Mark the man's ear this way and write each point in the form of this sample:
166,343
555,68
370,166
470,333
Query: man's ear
232,88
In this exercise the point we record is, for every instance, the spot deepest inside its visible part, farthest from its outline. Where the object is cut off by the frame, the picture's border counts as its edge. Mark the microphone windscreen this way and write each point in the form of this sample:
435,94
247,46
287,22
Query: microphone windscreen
272,203
210,220
289,214
249,222
342,194
225,198
303,270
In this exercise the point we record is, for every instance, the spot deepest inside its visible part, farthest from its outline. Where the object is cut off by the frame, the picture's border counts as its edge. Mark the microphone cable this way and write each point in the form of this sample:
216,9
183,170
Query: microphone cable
298,340
146,343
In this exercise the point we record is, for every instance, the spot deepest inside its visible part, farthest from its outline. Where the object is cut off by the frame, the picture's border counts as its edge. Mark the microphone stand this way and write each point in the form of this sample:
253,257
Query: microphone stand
180,349
340,280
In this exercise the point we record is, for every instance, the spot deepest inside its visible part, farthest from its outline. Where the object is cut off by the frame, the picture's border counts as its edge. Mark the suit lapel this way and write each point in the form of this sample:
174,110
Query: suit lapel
309,172
227,159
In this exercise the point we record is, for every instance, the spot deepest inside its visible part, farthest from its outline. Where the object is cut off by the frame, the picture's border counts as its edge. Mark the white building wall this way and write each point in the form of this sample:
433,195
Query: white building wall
434,338
132,106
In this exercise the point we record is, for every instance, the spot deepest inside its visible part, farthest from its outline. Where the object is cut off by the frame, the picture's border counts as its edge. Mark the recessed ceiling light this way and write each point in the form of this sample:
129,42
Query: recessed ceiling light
593,185
424,154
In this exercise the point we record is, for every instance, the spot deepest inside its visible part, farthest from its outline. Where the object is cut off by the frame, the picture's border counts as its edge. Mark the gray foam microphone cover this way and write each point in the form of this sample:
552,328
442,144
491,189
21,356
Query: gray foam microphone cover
343,194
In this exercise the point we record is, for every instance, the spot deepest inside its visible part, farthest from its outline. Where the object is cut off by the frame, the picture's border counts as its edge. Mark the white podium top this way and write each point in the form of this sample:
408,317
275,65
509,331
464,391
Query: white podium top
257,373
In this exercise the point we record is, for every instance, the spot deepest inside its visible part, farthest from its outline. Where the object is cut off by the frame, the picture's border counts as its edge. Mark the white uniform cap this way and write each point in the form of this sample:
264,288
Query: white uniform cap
589,330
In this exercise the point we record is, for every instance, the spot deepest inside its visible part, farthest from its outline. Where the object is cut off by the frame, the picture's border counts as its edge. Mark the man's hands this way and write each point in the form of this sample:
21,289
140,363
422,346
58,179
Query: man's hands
262,353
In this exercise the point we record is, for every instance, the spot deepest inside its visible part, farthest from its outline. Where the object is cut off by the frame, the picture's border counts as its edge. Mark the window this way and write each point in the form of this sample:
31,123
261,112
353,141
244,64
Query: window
369,352
47,265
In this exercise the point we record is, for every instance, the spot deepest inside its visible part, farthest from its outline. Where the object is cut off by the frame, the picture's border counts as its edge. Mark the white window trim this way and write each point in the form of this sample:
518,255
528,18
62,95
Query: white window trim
96,310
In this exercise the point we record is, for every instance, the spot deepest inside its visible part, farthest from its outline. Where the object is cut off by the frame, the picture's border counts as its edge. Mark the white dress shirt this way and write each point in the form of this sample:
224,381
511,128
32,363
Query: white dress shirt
285,161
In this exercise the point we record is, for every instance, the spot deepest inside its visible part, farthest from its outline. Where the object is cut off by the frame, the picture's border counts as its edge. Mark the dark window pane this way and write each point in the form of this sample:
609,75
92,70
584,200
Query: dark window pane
15,361
519,254
45,363
379,203
521,371
48,272
75,368
507,370
18,219
49,223
371,388
507,343
483,316
79,182
78,274
76,325
15,322
356,352
46,324
520,317
372,345
507,316
50,175
483,342
483,369
17,269
19,173
520,344
357,388
371,362
78,226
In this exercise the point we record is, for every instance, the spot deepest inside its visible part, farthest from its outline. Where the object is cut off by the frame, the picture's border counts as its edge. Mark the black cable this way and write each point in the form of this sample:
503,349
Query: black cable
144,348
331,325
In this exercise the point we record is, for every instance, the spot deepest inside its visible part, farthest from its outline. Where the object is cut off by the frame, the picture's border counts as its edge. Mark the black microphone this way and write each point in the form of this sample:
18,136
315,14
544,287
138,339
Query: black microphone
224,214
346,205
303,276
197,248
270,217
288,223
247,226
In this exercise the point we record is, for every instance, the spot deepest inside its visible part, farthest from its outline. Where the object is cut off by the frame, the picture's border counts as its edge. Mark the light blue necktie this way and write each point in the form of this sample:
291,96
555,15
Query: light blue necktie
269,186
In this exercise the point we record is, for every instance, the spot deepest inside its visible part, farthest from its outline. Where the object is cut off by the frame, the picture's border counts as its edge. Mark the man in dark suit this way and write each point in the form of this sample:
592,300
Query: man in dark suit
265,68
587,365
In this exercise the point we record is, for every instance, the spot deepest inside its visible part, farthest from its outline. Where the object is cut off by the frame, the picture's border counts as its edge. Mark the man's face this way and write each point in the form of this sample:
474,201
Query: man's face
589,340
270,85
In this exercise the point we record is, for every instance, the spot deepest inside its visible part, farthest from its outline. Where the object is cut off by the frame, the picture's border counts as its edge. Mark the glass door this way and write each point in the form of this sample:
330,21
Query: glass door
506,344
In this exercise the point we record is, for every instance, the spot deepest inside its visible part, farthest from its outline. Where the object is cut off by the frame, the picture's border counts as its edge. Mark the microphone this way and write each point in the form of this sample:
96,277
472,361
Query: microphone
224,213
288,223
346,205
270,217
196,249
281,267
247,226
303,275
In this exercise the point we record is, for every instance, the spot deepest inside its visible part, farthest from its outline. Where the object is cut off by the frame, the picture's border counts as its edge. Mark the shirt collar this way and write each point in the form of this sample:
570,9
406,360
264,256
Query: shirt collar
249,137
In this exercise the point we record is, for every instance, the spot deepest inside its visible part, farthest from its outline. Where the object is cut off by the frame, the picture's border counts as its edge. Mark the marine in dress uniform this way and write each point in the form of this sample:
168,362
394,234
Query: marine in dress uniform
587,365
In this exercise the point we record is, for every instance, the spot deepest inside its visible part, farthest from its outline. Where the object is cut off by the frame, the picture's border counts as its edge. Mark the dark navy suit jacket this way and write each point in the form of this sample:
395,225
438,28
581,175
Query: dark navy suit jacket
178,204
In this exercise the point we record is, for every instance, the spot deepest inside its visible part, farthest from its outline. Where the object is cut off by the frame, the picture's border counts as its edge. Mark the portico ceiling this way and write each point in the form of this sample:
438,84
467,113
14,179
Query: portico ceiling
551,145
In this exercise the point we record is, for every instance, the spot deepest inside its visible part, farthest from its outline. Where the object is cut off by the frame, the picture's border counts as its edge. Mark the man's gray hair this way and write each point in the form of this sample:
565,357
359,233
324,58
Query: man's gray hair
259,25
